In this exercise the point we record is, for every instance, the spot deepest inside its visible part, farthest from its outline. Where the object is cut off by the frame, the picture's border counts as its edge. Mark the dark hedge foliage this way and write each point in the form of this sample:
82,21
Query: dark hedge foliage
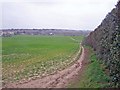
105,40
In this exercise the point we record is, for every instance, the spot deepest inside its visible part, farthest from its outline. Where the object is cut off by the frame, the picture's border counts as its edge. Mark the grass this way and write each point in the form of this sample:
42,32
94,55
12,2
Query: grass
78,38
26,57
94,75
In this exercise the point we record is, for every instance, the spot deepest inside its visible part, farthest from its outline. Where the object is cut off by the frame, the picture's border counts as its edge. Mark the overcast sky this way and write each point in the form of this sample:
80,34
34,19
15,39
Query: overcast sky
60,14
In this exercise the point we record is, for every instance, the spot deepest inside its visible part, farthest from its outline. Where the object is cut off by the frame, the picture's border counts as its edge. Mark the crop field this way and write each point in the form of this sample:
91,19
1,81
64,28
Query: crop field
26,57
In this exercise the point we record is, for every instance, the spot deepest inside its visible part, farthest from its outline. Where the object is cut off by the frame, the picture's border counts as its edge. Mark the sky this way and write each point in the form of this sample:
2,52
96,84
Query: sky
54,14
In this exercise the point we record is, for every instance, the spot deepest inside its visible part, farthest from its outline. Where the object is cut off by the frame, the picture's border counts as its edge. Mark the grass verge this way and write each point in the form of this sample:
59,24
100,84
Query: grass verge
93,75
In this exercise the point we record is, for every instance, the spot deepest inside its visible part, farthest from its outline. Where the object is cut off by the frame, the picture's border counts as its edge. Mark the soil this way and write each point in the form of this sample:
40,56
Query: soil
59,80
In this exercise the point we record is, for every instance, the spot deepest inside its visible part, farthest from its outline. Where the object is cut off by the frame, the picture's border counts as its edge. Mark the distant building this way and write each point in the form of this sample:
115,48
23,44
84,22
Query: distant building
50,33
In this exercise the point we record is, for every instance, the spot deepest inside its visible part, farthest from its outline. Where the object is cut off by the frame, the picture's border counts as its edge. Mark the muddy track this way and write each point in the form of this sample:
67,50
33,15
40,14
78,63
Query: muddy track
58,80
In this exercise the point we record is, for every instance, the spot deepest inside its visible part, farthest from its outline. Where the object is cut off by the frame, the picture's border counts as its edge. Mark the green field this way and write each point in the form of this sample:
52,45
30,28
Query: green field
26,57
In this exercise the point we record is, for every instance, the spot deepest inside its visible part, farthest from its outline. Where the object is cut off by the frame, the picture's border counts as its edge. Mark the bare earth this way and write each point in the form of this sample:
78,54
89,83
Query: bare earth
59,80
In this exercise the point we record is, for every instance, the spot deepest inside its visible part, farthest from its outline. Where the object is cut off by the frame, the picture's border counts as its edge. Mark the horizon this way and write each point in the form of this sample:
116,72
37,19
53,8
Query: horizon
42,29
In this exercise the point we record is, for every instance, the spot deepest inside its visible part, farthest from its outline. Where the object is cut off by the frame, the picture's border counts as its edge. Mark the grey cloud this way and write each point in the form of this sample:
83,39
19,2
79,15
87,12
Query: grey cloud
70,14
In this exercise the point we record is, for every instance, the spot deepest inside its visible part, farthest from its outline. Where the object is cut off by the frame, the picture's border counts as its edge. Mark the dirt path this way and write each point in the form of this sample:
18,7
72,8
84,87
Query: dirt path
58,80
